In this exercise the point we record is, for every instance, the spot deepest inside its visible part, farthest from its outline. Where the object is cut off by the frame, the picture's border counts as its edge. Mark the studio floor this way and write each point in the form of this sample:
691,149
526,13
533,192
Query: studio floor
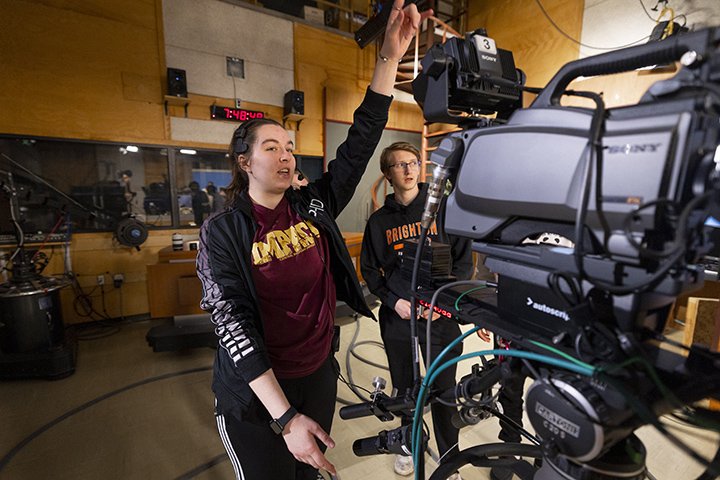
129,413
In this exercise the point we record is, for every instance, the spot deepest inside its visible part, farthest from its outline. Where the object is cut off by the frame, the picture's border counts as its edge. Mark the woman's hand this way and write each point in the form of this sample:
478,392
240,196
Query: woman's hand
300,434
403,308
402,26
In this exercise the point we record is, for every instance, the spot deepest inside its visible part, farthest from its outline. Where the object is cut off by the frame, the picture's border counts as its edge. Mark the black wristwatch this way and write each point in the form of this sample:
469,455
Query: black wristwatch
278,424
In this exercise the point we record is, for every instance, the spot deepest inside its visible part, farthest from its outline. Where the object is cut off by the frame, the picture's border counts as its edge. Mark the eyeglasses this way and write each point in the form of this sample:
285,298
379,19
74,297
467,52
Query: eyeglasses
403,165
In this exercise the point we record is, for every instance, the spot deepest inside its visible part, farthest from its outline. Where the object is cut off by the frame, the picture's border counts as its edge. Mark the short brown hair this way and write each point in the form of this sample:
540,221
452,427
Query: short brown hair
385,155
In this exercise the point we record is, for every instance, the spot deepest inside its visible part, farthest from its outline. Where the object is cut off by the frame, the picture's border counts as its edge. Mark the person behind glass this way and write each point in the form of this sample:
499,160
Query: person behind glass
200,202
129,194
395,222
217,201
273,379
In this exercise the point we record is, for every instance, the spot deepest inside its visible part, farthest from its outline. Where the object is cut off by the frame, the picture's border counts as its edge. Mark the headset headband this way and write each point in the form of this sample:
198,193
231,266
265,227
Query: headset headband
239,145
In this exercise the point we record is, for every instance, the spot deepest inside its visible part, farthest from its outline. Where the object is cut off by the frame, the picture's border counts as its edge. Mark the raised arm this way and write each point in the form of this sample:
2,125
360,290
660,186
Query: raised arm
344,173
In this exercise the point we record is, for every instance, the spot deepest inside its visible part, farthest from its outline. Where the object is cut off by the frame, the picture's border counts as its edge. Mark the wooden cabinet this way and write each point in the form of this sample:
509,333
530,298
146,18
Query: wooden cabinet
174,288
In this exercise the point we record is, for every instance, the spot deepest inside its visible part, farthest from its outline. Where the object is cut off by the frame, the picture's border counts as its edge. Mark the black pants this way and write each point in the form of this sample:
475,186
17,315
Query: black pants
395,333
255,451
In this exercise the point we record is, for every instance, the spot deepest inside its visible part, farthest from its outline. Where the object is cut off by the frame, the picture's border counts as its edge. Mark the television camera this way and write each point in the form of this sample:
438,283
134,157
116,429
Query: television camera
627,190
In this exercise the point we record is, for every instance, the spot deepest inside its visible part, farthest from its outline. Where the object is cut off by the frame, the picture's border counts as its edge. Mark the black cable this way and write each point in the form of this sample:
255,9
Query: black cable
94,330
580,43
414,339
657,20
534,90
554,284
202,468
519,428
670,262
24,442
710,472
646,12
351,386
471,455
627,230
593,149
581,213
102,301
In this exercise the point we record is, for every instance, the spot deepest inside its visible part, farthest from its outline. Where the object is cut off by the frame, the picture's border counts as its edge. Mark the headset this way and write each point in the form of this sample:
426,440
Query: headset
239,145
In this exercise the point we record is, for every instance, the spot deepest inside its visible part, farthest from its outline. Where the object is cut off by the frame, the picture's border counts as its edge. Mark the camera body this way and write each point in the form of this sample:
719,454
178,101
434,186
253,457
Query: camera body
628,191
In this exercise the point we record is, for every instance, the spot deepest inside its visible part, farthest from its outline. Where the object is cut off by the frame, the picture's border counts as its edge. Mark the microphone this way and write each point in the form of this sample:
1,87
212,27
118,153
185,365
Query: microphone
446,158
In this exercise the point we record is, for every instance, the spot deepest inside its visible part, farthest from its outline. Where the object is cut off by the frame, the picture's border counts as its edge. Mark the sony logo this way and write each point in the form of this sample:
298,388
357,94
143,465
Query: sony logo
488,58
634,148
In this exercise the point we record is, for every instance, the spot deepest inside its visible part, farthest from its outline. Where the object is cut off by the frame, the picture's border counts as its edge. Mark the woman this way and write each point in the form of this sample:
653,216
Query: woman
271,267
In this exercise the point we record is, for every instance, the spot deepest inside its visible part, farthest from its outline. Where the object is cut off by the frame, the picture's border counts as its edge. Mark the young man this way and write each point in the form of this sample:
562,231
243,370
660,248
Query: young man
397,221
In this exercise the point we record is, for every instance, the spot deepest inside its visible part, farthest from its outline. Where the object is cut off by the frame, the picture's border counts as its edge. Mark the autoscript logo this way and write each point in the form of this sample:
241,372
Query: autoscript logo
634,148
560,422
549,310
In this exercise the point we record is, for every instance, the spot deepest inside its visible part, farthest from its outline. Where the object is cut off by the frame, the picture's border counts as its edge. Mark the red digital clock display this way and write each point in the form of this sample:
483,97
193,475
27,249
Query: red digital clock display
233,114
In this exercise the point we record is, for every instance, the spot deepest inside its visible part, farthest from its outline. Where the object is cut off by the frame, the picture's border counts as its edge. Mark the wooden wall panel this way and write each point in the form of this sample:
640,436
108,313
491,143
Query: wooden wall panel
520,26
94,254
335,62
618,90
82,69
310,80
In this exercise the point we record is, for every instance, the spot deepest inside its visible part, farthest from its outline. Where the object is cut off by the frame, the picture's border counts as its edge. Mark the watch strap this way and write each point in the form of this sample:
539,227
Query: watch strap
278,424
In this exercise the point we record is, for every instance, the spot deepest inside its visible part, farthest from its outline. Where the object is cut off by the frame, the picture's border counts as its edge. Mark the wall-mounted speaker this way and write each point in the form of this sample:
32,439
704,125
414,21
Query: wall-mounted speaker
294,103
176,82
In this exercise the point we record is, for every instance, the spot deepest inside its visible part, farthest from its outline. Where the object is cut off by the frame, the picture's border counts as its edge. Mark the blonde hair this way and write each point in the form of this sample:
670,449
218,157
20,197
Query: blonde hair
397,146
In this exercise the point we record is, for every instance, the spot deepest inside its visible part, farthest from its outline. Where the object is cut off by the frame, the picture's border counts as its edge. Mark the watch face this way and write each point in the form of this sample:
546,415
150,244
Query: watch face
276,426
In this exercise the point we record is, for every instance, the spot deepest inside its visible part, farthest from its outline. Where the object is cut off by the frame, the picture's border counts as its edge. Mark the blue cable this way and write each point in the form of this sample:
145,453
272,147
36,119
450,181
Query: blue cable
442,354
434,371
